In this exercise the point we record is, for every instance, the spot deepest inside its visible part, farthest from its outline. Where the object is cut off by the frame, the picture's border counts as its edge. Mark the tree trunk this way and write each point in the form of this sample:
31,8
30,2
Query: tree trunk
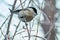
49,10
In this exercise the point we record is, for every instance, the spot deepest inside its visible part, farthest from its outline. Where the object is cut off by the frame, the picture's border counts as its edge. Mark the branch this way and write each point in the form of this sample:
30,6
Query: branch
20,5
16,30
25,22
37,28
4,22
36,36
10,20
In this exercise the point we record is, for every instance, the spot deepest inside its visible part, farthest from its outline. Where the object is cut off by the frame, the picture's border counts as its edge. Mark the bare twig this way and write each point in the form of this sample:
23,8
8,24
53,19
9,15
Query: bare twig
10,20
42,12
29,3
2,33
37,28
20,4
27,31
25,22
16,30
36,5
6,3
20,32
23,37
4,22
37,37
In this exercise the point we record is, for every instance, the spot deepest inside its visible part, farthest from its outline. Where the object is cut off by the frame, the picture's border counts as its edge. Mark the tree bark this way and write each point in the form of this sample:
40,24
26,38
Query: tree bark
49,10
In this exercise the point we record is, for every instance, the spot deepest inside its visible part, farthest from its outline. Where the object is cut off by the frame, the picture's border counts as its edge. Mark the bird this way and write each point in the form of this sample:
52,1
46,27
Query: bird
26,14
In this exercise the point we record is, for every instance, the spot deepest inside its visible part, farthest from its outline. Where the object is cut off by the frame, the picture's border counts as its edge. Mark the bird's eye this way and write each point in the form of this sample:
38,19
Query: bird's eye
22,17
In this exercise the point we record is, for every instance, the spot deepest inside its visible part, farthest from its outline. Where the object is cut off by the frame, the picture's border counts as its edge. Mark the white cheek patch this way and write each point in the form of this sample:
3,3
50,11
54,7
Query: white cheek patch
20,14
32,11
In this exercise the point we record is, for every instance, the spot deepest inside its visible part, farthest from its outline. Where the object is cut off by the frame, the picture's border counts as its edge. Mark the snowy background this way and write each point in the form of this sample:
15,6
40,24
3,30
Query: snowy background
4,13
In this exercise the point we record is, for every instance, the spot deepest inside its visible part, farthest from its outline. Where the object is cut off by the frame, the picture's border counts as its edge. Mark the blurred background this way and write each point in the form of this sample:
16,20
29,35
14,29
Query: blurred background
44,26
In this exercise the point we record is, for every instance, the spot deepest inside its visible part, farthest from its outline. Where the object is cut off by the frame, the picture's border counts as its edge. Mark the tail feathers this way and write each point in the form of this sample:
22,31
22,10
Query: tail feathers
10,10
14,12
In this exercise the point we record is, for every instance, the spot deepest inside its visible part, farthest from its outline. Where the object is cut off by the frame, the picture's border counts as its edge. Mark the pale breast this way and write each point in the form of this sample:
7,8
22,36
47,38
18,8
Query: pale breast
29,18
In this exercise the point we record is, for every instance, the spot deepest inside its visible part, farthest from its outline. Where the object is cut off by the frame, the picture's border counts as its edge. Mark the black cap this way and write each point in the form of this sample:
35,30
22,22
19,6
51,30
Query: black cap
33,9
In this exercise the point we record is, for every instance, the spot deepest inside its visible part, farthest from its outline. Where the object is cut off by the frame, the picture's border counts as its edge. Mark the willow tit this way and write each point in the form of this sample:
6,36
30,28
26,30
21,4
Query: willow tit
26,14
